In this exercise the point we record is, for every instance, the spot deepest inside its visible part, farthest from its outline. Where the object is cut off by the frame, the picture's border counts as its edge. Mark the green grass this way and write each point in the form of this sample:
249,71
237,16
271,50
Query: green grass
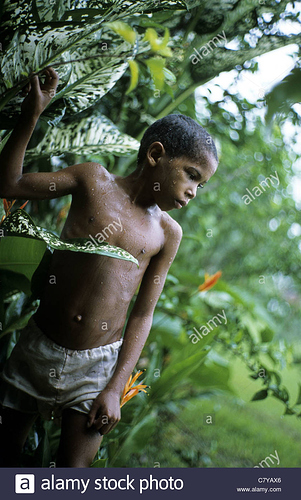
244,433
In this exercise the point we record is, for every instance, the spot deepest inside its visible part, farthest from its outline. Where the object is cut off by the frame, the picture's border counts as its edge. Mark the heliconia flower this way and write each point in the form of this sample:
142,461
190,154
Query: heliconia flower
7,206
209,281
63,213
130,390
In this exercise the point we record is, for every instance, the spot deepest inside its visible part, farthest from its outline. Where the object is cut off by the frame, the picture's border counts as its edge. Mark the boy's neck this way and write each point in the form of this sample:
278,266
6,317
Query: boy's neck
138,186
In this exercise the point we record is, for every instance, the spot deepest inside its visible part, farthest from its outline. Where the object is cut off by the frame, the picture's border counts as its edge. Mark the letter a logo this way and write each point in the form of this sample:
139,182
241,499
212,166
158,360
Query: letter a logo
24,483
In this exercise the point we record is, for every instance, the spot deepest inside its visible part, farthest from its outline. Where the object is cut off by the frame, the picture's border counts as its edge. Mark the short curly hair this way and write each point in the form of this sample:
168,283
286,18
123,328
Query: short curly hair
180,136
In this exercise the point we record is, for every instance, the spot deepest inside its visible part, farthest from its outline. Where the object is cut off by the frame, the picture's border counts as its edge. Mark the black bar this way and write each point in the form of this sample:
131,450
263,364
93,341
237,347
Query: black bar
127,483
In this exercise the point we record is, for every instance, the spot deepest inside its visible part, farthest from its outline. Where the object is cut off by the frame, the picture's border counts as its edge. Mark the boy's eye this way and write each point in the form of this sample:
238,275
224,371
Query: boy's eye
193,177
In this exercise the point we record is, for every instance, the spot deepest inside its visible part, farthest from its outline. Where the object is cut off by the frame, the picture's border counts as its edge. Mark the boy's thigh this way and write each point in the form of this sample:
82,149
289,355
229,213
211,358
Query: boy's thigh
14,428
15,424
78,444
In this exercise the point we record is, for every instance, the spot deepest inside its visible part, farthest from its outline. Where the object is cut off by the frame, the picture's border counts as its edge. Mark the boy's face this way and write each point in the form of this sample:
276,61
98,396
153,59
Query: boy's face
177,180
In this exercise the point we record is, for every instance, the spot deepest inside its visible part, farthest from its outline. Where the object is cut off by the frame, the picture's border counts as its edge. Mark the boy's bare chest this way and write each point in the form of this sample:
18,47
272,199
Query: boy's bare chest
108,215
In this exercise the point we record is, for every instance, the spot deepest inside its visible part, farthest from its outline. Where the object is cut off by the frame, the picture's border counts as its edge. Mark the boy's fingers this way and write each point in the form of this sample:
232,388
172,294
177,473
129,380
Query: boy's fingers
92,413
25,90
105,428
52,78
90,421
35,82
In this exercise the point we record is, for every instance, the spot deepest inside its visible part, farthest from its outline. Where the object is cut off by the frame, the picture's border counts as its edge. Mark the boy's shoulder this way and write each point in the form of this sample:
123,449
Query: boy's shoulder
93,167
172,229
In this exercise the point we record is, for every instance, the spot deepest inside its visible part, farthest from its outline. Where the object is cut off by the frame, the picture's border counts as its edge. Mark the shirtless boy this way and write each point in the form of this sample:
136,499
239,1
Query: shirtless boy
176,157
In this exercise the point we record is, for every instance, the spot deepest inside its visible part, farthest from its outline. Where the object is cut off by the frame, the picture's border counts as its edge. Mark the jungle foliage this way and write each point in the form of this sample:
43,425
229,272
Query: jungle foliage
122,65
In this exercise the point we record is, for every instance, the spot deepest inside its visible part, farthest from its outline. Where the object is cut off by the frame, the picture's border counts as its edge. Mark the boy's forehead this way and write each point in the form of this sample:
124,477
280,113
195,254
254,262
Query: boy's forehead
205,167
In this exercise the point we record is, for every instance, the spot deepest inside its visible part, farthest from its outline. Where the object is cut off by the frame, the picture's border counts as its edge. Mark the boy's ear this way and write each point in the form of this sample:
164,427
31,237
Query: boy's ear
154,153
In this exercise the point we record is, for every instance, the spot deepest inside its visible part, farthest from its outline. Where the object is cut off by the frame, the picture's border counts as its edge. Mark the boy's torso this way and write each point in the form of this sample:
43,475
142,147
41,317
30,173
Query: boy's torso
84,305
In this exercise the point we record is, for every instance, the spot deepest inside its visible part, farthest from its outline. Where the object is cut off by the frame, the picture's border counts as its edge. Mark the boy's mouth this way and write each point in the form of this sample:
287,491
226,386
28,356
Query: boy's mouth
180,203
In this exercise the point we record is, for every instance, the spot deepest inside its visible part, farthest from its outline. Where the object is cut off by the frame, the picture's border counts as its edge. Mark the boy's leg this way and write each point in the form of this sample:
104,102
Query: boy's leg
14,428
78,445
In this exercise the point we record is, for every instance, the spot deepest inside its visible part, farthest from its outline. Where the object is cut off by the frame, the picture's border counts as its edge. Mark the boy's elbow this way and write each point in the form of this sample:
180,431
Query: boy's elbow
9,193
9,190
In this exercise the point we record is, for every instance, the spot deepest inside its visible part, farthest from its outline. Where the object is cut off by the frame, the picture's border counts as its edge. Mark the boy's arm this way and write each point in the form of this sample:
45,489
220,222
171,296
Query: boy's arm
107,404
31,186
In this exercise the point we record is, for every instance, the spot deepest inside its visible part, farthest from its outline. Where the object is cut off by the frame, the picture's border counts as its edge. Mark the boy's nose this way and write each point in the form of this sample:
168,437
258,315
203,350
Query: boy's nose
191,193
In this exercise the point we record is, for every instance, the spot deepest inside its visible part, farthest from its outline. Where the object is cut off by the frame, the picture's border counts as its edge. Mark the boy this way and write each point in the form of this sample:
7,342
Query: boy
90,366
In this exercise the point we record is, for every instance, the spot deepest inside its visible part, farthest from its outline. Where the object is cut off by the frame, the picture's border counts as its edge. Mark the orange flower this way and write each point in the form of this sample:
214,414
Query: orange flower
209,281
7,206
63,213
130,389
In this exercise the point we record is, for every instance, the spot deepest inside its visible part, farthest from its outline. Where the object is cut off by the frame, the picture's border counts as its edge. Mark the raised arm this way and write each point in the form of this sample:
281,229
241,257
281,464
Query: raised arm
136,333
15,184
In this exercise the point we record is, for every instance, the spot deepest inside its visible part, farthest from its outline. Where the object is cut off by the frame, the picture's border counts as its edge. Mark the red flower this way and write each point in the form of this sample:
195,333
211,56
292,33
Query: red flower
7,206
209,281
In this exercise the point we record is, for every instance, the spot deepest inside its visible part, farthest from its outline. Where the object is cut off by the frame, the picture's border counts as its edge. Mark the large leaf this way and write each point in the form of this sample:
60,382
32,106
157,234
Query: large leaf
175,373
136,440
284,95
11,281
21,255
46,35
94,68
95,134
20,224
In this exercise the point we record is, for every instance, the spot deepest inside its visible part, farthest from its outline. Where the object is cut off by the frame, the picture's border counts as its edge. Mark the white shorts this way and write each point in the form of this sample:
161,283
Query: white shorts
43,377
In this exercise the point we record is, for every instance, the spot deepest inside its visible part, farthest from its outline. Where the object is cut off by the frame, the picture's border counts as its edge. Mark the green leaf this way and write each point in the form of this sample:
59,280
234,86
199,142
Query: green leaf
298,402
134,76
260,395
284,95
158,45
36,36
123,30
266,335
213,373
156,67
100,463
20,224
138,436
21,255
95,134
288,411
176,373
11,281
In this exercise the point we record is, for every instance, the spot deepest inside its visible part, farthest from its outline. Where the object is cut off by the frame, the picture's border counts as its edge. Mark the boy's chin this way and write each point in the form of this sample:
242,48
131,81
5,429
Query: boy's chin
164,206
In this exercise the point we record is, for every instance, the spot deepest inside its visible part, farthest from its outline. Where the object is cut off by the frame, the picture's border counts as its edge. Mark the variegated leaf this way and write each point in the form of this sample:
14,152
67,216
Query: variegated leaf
94,134
20,224
46,35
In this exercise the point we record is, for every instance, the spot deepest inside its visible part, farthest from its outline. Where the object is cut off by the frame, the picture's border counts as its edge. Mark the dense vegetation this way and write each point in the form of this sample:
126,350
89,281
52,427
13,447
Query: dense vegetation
123,64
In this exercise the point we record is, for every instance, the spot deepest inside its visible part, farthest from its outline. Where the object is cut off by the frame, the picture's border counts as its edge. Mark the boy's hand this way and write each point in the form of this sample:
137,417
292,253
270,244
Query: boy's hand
39,95
105,412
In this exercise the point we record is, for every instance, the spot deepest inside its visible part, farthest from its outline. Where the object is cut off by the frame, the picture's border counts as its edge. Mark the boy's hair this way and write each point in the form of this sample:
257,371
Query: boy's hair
180,136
